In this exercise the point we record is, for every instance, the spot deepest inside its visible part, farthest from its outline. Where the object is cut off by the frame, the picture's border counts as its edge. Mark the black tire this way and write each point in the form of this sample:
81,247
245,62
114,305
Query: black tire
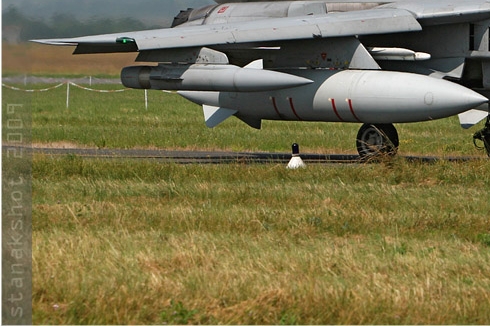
374,140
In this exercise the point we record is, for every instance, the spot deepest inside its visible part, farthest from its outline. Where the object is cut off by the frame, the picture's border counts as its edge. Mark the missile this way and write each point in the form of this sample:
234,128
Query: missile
397,54
389,97
350,96
208,77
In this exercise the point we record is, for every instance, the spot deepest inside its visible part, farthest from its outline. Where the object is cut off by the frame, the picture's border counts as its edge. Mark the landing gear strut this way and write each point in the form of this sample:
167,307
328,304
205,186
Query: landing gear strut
374,140
484,136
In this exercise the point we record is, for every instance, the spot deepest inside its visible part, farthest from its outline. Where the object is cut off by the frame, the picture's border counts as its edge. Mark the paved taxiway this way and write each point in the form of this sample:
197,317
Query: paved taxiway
215,157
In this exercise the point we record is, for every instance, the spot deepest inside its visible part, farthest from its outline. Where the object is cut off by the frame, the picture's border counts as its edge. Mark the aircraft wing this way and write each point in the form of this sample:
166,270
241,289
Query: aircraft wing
336,24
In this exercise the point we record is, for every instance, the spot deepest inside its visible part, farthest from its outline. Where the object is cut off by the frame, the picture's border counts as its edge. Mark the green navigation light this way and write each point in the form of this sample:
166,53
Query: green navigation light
125,40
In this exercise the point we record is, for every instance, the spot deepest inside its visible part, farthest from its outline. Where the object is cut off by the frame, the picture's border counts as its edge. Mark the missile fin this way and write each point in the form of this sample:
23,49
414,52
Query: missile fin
257,64
471,117
252,122
362,59
215,115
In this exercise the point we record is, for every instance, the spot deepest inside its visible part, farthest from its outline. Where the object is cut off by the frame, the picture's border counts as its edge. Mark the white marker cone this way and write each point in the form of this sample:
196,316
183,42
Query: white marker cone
296,162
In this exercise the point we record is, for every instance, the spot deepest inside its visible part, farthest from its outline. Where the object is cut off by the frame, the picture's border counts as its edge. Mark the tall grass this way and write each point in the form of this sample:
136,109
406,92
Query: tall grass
141,242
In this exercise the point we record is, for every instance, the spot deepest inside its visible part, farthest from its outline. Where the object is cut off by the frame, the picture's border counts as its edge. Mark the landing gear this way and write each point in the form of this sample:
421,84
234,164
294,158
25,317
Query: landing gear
484,136
374,140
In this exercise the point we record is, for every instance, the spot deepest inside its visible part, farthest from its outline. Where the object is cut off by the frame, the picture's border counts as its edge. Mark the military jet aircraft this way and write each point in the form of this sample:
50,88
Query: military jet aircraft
370,62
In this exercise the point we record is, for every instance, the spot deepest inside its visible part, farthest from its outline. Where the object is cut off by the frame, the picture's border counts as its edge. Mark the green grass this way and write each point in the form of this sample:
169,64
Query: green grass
120,120
142,242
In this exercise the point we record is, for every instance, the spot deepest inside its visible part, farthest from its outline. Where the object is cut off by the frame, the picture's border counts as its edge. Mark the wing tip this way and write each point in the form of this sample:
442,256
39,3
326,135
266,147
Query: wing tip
54,42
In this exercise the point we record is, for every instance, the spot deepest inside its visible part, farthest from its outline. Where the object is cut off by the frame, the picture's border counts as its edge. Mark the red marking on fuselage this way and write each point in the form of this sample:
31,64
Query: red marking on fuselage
223,9
334,107
293,109
352,110
274,104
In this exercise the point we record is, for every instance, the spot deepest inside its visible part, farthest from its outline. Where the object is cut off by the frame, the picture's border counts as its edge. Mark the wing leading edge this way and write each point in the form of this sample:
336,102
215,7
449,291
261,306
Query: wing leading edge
365,22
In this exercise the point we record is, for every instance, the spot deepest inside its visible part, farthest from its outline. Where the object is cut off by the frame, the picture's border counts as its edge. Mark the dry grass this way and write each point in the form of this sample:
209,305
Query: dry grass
140,242
134,278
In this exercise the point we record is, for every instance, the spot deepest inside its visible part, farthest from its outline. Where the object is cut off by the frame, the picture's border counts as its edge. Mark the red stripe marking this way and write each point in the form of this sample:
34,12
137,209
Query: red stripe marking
274,104
223,9
334,107
292,108
352,110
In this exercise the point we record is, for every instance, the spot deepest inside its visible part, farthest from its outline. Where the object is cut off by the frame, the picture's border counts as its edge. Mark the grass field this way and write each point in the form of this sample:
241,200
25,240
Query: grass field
142,242
37,59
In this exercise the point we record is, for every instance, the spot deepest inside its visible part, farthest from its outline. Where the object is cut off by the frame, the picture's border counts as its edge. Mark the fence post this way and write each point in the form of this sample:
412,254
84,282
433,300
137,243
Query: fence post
67,94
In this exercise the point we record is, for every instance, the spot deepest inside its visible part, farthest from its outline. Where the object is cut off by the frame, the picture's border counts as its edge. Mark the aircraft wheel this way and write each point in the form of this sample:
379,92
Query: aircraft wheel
374,140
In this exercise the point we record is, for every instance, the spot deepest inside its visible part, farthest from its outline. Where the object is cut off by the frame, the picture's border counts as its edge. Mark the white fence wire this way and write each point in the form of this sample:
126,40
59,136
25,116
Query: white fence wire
69,84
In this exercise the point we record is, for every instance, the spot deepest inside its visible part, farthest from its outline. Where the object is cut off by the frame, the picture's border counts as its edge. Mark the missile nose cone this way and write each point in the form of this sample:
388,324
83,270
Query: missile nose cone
388,97
453,96
475,99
